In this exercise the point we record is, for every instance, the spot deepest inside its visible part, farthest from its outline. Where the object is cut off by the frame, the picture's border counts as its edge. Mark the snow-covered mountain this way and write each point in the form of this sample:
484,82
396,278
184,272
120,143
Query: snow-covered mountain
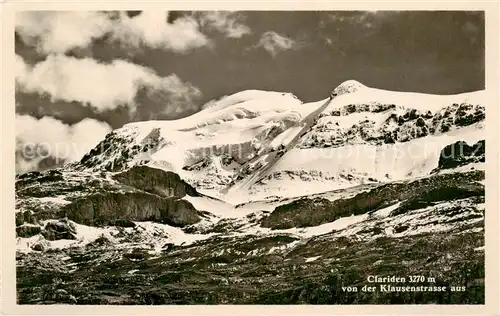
256,187
256,144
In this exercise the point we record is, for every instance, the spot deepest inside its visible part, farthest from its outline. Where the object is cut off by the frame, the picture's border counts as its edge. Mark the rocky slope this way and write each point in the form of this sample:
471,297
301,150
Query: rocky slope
261,198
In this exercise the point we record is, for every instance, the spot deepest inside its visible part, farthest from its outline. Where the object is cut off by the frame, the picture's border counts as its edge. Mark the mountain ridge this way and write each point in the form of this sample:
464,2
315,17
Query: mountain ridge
250,126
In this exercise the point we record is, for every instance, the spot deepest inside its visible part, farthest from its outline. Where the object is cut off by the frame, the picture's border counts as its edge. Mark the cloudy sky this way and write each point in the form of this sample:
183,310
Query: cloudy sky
95,71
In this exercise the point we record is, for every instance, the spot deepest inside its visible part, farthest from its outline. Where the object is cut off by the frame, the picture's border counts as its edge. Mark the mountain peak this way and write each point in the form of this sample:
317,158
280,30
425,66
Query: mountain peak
348,86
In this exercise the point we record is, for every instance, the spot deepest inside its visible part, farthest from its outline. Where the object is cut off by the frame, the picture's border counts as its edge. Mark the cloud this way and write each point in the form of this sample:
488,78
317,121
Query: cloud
150,28
273,43
48,138
229,23
58,32
61,31
102,86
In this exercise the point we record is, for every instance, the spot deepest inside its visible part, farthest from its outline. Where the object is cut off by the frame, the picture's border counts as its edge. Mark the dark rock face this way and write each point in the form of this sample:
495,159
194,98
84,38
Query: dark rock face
27,230
39,178
105,208
446,193
156,181
123,223
312,212
398,127
25,217
117,145
460,154
467,114
62,229
41,245
47,176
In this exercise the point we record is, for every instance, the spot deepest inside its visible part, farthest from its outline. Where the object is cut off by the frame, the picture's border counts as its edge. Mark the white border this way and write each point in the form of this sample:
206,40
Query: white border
7,162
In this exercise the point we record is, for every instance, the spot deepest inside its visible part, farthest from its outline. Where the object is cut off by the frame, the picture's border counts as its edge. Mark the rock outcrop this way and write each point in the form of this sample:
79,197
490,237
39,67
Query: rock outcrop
460,154
105,208
308,212
156,181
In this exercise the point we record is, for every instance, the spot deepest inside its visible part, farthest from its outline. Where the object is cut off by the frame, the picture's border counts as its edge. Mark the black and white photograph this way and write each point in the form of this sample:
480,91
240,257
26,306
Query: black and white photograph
253,157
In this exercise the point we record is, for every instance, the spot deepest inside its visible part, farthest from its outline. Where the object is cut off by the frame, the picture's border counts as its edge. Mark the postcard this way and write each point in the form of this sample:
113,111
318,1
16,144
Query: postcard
251,158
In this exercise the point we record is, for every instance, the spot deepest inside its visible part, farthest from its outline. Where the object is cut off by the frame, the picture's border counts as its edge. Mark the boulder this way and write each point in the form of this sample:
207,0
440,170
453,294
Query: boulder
41,245
62,229
100,241
29,217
